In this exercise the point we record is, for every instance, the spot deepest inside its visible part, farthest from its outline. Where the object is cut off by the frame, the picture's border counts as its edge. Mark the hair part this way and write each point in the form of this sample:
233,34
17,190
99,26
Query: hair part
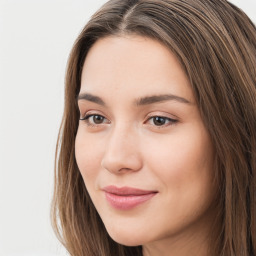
215,43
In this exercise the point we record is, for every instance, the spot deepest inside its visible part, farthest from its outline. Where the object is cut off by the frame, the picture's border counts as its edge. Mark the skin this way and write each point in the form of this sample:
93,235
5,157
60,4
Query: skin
127,147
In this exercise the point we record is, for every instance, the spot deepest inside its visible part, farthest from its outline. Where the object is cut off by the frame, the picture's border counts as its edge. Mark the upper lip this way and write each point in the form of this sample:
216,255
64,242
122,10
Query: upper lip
125,191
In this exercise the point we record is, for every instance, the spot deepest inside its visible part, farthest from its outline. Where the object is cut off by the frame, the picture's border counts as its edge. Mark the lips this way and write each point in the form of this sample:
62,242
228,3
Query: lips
126,198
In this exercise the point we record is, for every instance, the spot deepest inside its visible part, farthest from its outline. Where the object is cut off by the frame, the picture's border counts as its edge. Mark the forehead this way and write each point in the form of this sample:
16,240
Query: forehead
133,66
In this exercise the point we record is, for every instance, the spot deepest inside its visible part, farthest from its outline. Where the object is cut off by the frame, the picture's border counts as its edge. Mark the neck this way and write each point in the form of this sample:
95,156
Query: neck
178,246
196,240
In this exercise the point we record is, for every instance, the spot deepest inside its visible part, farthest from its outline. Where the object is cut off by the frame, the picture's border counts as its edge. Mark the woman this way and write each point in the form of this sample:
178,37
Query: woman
157,148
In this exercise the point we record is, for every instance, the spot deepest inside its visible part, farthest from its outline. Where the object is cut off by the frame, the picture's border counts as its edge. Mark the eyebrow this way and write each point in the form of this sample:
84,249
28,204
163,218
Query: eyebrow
160,98
90,97
147,100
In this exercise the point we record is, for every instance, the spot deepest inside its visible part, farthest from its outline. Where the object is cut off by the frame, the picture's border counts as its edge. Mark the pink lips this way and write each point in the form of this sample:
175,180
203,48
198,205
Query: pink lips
126,198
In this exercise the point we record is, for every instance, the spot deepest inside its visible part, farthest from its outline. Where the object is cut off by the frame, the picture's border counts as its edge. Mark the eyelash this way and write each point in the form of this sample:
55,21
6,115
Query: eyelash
170,121
86,119
166,119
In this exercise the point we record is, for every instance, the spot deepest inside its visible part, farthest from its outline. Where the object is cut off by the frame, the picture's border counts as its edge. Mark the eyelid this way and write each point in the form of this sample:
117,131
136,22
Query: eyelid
162,114
92,113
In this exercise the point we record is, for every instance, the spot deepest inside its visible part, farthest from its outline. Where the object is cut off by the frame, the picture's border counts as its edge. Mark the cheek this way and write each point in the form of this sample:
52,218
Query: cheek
182,160
88,155
183,165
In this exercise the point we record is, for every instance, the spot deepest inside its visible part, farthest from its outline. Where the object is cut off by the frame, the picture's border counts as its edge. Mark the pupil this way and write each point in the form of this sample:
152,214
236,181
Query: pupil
97,119
159,120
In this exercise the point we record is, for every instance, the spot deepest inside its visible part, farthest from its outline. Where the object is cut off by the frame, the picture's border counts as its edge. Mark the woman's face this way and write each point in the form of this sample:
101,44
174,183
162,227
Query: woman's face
142,148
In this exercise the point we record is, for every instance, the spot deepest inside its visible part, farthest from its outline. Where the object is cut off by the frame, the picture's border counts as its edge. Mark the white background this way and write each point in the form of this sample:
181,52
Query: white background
35,39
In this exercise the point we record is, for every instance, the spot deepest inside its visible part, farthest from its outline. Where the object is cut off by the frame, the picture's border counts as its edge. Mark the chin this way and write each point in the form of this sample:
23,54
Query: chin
127,241
127,237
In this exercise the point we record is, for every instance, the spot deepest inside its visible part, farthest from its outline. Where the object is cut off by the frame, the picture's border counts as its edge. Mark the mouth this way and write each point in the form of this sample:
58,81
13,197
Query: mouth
126,198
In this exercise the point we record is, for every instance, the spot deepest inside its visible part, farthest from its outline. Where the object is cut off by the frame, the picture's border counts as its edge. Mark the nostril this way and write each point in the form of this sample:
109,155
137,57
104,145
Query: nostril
121,163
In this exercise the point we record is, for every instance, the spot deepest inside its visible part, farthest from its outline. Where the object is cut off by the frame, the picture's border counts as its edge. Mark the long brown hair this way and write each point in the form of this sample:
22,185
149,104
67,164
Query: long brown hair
215,43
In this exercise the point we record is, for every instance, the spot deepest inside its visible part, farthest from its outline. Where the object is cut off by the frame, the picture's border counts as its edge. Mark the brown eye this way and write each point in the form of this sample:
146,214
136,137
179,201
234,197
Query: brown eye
161,121
94,119
158,120
97,119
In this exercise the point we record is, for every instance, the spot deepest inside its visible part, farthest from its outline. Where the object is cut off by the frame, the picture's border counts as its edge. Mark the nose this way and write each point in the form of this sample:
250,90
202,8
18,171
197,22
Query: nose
122,152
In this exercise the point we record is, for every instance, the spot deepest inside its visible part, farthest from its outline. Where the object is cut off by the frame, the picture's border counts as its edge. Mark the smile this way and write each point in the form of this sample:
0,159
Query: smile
126,198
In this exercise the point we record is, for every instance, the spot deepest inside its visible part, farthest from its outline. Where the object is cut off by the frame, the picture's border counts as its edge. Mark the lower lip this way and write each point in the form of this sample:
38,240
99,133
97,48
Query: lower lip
126,202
